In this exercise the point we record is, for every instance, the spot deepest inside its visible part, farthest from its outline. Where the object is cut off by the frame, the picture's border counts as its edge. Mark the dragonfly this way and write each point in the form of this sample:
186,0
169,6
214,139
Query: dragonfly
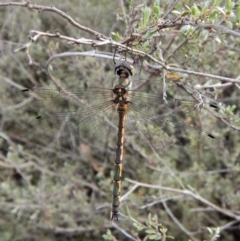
100,115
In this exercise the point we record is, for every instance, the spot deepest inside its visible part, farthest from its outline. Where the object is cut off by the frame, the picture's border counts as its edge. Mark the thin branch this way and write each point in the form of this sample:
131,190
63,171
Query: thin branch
96,43
227,225
124,232
178,47
41,8
219,28
176,197
8,164
141,53
190,193
93,43
178,223
123,11
191,72
129,192
68,231
26,47
217,85
170,9
186,21
224,119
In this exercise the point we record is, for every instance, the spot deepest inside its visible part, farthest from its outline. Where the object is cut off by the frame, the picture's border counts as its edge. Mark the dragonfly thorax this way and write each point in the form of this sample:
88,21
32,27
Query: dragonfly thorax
121,95
126,82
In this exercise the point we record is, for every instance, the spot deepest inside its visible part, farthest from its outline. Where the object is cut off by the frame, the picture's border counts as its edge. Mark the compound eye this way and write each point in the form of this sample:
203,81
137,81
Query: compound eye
121,71
123,68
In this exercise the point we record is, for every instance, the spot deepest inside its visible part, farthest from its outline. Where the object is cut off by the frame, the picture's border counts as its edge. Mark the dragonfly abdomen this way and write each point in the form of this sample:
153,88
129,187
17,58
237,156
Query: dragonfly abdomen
117,179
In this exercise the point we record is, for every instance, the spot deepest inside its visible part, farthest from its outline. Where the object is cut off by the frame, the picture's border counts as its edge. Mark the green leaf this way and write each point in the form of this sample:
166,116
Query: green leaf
238,12
146,45
176,12
209,230
186,30
230,109
163,230
155,218
199,7
194,10
217,39
149,218
197,33
188,8
221,10
157,3
205,8
151,33
132,3
108,235
154,237
217,3
229,24
150,231
214,14
116,36
138,226
146,238
204,35
156,10
185,13
146,16
229,5
105,236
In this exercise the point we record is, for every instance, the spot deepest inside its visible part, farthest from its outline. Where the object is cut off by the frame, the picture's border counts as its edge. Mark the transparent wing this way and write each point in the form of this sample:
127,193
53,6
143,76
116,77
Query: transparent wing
171,129
83,114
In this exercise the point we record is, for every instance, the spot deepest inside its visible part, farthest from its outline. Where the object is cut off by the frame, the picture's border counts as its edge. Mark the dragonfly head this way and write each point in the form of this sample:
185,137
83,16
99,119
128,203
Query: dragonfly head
123,69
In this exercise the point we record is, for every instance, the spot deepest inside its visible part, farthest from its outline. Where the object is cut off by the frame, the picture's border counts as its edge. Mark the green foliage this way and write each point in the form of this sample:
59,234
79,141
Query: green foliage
108,236
238,13
214,233
217,3
146,17
153,229
116,36
187,30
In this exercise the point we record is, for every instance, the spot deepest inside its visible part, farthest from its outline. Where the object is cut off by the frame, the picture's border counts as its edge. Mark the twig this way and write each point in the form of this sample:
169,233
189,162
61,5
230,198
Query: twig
124,232
9,164
93,43
123,11
41,8
190,193
26,47
164,76
170,8
186,21
129,192
214,113
178,223
103,40
218,85
205,75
